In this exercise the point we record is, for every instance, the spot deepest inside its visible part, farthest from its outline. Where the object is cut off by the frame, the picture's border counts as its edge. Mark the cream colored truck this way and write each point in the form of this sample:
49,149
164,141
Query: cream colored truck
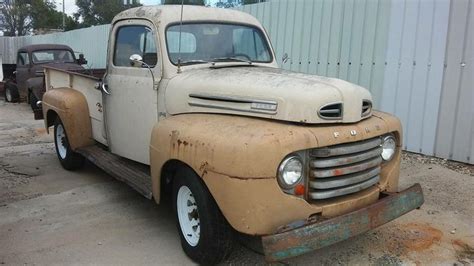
301,160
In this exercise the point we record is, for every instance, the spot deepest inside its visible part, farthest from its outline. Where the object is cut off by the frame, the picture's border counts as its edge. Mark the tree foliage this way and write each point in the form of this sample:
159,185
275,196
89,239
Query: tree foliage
234,3
96,12
17,18
44,15
24,16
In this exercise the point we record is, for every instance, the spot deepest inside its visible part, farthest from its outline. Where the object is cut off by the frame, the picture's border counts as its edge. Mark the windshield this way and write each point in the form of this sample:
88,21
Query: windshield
210,42
48,56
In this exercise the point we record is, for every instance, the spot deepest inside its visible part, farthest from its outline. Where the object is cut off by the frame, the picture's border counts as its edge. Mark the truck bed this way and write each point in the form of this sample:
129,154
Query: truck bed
88,83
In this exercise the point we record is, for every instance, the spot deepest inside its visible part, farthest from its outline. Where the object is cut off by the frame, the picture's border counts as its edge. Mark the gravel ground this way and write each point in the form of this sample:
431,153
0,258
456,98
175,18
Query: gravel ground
52,216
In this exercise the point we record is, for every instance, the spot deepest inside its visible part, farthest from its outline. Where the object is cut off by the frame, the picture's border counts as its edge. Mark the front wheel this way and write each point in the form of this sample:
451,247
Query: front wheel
11,93
206,237
67,157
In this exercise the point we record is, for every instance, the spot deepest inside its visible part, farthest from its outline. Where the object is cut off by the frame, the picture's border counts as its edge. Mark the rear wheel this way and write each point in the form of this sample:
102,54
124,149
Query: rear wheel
67,157
11,93
206,237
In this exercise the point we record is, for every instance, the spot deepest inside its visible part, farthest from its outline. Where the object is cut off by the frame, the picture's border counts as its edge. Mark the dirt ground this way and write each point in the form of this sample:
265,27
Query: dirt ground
52,216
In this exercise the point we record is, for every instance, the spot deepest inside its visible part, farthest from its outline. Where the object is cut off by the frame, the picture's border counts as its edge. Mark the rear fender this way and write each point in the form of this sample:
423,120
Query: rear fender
71,107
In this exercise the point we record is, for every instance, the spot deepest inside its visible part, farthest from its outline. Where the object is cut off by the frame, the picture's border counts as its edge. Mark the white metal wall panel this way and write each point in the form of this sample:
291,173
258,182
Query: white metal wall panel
414,64
434,77
9,46
455,123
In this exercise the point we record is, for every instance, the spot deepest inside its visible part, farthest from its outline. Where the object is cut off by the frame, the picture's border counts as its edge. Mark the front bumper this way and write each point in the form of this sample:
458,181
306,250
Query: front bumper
299,238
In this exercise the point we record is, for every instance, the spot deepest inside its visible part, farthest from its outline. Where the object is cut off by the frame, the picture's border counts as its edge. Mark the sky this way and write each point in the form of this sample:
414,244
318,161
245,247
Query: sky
70,5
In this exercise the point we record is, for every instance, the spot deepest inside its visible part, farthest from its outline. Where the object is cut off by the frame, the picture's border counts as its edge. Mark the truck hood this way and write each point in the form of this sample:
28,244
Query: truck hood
268,93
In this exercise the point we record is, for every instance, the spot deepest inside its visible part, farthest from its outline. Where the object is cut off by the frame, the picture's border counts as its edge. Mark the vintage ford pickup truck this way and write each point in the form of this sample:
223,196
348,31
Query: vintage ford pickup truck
199,109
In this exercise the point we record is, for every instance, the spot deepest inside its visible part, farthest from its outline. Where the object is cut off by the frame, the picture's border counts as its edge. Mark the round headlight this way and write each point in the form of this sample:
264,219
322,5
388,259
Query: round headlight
389,145
290,172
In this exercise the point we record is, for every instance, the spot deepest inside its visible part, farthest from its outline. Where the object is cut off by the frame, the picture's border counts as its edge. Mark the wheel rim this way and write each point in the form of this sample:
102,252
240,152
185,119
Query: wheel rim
188,216
8,95
61,141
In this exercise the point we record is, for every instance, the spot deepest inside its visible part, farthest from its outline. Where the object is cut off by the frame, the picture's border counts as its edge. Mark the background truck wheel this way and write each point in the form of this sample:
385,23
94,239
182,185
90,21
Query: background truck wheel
32,99
68,158
11,93
206,237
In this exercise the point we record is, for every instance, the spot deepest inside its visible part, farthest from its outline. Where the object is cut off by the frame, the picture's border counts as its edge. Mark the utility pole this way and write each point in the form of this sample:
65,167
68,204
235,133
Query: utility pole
64,17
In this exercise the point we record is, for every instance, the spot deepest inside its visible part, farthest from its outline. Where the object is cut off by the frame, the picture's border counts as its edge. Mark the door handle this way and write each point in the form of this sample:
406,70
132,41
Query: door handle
104,88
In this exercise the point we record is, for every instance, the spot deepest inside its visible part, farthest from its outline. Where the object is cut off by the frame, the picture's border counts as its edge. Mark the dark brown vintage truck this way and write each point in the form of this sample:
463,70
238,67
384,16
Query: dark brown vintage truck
27,81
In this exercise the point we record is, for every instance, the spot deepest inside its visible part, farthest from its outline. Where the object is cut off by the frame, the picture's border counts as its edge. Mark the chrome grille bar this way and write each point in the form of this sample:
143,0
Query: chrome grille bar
348,148
341,181
353,168
343,160
325,194
344,169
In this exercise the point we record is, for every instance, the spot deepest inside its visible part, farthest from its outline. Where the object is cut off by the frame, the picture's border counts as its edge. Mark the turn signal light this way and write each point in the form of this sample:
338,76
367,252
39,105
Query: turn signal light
299,189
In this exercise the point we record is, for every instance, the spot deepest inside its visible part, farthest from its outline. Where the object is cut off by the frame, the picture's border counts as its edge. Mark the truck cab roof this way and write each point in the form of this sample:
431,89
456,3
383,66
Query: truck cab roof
39,47
166,14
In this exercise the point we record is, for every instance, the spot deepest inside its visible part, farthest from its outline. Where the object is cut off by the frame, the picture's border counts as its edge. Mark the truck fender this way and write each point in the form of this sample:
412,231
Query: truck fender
71,107
35,85
221,144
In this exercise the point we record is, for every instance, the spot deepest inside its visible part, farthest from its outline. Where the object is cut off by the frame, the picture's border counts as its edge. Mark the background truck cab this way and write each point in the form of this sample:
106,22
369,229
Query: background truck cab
27,81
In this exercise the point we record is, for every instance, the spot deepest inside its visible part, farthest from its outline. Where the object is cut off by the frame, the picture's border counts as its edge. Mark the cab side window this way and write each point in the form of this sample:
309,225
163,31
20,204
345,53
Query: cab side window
135,39
23,59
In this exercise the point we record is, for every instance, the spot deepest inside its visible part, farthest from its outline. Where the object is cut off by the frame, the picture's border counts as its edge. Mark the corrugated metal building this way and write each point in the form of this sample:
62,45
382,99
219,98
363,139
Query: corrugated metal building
415,56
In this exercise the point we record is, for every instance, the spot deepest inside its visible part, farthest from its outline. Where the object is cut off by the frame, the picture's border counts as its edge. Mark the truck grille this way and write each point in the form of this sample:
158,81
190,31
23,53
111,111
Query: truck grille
344,169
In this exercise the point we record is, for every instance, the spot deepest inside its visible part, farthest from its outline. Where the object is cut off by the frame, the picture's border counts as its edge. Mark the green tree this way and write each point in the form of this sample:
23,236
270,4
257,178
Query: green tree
186,2
96,12
234,3
44,15
17,18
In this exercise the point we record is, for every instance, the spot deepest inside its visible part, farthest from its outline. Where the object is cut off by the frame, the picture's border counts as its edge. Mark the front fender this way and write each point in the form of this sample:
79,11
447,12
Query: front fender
237,158
71,107
36,86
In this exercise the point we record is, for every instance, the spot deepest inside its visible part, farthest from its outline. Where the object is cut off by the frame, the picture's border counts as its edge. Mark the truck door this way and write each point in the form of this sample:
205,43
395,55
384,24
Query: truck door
22,70
131,108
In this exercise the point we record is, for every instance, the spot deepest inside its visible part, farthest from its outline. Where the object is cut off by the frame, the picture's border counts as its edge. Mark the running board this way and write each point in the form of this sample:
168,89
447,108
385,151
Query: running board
134,174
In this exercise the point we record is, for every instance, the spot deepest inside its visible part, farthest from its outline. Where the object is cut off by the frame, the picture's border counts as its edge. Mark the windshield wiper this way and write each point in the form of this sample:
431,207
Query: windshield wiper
223,59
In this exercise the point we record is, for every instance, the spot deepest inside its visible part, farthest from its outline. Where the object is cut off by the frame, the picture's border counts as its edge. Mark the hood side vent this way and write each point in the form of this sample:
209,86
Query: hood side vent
331,111
366,108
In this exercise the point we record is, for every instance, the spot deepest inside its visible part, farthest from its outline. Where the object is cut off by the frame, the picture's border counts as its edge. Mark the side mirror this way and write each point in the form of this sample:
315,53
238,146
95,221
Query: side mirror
81,60
285,58
136,60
